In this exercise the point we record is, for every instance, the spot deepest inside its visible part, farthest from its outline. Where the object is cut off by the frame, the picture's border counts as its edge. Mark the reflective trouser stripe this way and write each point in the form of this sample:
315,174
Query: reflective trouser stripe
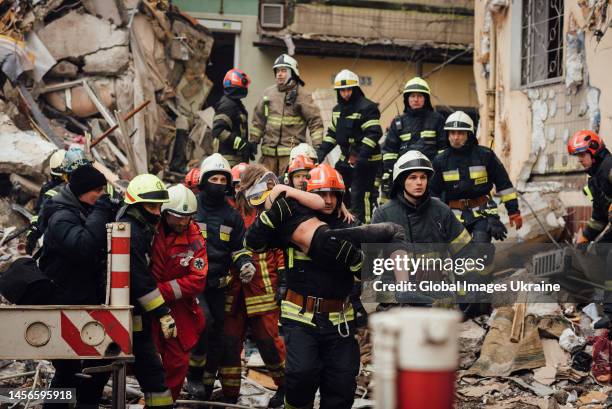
158,398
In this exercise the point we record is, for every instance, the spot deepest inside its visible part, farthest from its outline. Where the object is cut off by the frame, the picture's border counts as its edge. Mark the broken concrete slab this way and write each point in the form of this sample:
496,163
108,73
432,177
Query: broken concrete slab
23,152
471,336
64,69
112,61
65,36
107,9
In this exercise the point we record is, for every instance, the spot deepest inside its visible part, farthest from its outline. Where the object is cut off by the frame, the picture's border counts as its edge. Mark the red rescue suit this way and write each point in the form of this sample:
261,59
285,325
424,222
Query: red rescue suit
253,304
179,264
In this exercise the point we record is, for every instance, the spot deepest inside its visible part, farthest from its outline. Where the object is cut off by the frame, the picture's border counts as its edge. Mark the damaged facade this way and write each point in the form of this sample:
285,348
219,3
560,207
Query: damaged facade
541,70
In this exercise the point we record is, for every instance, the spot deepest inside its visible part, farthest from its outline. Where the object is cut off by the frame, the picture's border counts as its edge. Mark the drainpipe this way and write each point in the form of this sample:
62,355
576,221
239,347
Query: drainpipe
491,91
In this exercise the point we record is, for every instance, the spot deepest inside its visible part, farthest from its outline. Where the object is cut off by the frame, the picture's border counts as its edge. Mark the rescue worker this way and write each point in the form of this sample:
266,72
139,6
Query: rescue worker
230,123
425,219
223,229
253,304
464,175
317,318
304,149
237,176
144,197
281,118
74,257
192,180
298,172
418,128
179,265
60,171
595,158
356,128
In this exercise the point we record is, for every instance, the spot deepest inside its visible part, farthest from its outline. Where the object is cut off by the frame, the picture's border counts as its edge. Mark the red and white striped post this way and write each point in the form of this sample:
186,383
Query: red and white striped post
119,263
425,345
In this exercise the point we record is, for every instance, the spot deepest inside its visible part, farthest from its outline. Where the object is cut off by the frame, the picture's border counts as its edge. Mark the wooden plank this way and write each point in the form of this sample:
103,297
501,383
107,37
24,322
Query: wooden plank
40,118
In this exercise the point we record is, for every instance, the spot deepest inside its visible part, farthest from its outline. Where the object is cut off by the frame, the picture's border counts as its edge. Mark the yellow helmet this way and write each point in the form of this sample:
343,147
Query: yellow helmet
146,188
417,84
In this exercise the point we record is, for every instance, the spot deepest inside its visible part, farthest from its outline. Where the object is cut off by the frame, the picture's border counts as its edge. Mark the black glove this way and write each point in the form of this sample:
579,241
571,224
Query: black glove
281,210
32,238
104,202
496,228
252,147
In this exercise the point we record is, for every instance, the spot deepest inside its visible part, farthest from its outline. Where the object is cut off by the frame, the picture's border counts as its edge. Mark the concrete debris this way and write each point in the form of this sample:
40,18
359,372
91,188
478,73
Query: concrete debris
574,62
571,342
471,336
64,69
107,10
493,7
111,61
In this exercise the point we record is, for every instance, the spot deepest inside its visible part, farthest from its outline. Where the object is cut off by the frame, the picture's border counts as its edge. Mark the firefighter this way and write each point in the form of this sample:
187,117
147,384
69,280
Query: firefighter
192,180
223,229
356,128
254,304
230,124
62,164
73,256
304,149
237,176
418,128
179,265
595,158
298,172
143,200
465,174
282,116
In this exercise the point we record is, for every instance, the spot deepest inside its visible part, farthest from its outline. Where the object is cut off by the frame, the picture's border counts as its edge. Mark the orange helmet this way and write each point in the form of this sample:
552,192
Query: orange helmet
584,141
236,78
324,178
192,178
237,171
300,162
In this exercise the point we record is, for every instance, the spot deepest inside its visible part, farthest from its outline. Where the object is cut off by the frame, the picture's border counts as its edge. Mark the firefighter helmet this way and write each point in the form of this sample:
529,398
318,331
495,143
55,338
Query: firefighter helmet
215,163
305,150
236,78
417,84
192,178
300,162
584,141
146,188
324,178
286,61
75,158
459,121
56,161
346,79
411,161
237,171
182,201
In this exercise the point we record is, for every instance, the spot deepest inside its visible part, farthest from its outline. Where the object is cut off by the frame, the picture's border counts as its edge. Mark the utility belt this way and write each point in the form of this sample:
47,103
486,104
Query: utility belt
220,282
468,204
312,304
275,151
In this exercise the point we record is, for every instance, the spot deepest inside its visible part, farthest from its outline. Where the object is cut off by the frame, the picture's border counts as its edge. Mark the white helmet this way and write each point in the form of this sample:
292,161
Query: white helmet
182,202
459,121
215,163
56,161
411,161
303,149
286,61
346,79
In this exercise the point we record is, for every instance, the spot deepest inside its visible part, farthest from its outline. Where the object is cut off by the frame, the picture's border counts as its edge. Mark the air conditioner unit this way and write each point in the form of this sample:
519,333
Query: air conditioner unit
272,15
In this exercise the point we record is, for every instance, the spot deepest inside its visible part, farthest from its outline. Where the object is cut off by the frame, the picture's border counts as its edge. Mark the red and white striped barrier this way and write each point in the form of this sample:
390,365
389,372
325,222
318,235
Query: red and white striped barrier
118,238
416,354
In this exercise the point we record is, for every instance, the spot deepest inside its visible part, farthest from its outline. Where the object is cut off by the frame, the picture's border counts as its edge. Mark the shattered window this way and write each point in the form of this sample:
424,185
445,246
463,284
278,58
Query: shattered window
542,41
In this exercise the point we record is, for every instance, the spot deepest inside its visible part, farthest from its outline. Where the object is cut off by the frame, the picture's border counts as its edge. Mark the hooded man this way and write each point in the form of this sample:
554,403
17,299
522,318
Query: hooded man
356,128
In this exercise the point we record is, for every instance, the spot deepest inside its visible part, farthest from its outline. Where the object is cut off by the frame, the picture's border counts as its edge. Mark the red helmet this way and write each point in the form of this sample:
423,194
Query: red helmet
237,171
236,78
584,141
300,162
192,178
324,178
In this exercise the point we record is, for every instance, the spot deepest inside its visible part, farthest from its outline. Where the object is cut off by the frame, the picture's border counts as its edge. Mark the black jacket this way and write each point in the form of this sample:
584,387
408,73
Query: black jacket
355,127
144,294
421,130
470,172
600,187
47,191
229,123
74,247
223,229
431,221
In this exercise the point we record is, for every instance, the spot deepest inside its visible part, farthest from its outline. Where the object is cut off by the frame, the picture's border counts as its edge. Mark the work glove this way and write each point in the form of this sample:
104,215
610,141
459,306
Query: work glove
496,228
516,220
387,183
168,326
281,210
247,271
104,202
252,148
